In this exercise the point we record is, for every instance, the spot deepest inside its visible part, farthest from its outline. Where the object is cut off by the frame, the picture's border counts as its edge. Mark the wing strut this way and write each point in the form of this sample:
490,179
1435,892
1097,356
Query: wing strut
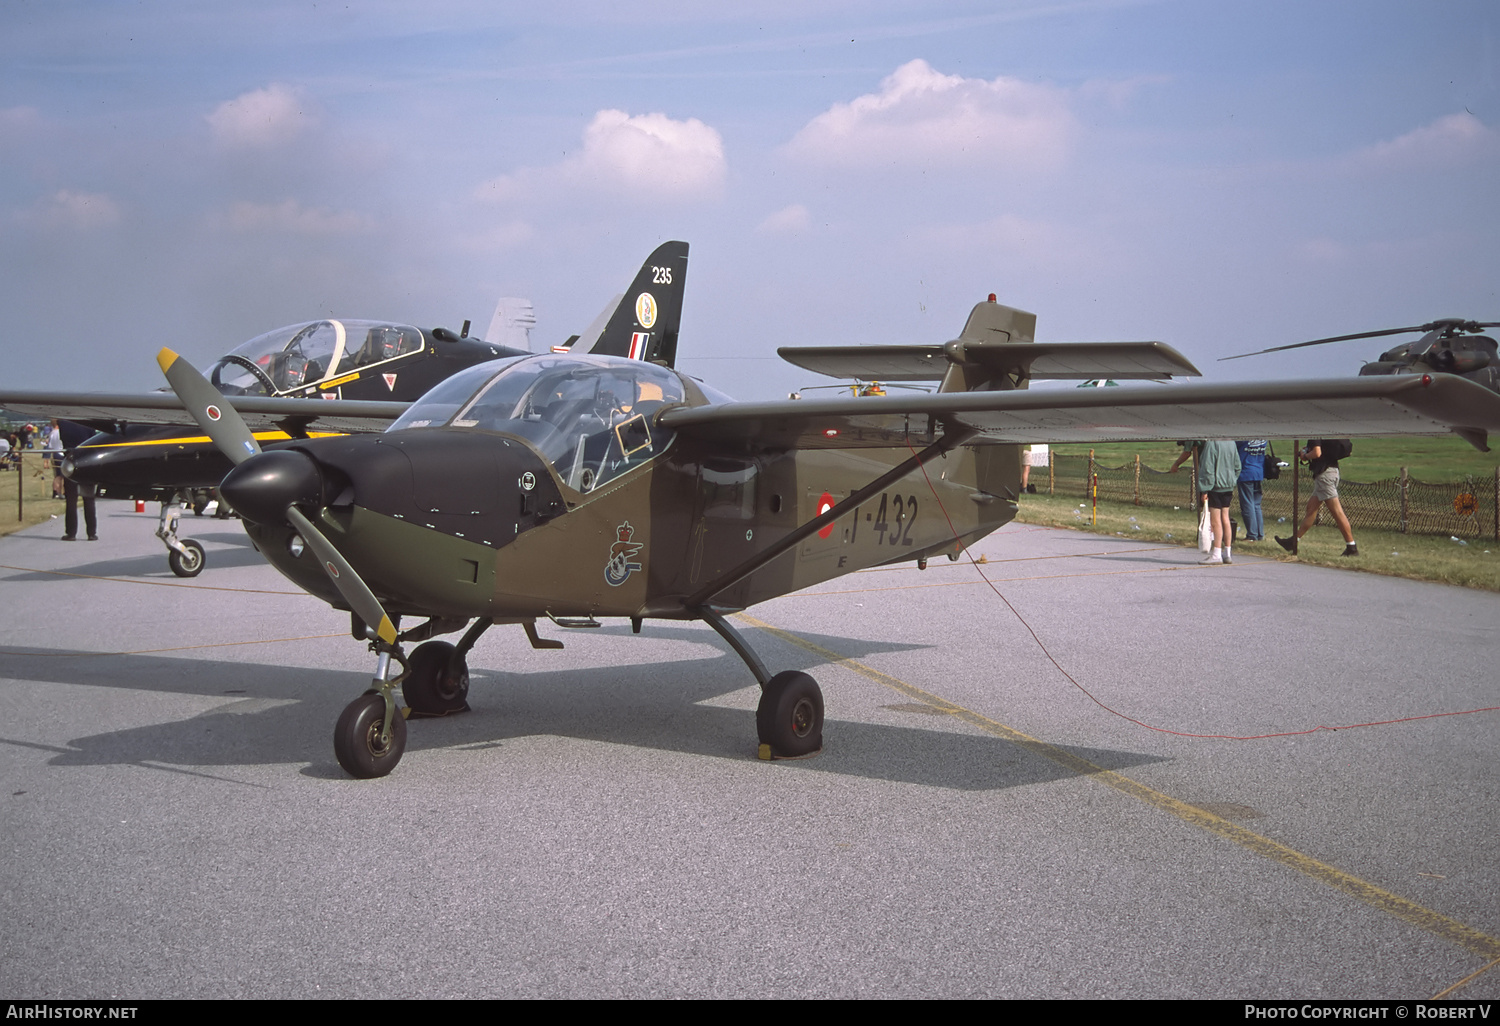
697,602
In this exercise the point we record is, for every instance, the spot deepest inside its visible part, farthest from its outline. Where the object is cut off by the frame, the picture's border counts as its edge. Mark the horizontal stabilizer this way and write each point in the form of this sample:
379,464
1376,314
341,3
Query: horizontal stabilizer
1063,361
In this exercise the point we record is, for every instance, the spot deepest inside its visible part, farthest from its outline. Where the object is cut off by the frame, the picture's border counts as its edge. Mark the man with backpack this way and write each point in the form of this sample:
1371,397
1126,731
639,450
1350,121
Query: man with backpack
1322,456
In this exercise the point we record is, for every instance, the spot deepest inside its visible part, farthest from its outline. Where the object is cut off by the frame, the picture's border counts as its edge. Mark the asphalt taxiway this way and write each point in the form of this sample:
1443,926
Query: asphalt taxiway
174,823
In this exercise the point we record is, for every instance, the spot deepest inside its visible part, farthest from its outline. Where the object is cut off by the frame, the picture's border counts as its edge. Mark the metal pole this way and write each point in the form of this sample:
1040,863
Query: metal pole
1405,482
1296,496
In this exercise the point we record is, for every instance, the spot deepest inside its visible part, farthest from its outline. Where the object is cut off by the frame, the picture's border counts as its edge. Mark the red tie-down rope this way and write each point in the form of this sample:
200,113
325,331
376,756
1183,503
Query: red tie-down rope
1115,712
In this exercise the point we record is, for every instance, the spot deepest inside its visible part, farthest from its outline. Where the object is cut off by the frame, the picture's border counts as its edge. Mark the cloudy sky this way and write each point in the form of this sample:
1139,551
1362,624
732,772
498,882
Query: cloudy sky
1220,175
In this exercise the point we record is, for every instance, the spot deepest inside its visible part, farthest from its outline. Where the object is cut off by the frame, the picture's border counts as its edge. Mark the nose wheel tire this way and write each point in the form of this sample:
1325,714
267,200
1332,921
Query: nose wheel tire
789,718
188,562
356,739
434,685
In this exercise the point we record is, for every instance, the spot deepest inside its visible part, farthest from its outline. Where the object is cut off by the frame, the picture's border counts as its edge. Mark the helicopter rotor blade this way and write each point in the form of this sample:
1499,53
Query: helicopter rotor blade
219,420
1466,326
350,585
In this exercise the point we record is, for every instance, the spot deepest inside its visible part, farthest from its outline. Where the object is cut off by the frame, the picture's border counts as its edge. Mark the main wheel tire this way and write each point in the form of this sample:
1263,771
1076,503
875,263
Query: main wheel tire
433,685
790,715
189,562
356,738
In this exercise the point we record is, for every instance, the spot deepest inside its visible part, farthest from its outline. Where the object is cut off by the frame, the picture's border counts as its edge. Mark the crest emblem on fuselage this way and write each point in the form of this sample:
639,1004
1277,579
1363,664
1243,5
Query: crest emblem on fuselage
619,568
645,309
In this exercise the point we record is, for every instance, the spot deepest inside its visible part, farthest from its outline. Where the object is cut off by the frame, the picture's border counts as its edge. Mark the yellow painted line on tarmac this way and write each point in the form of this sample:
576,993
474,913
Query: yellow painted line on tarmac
159,584
4,651
1407,911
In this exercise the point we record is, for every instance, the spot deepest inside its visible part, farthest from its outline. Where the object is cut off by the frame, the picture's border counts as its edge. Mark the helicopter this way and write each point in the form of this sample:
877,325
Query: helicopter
143,451
1447,346
566,487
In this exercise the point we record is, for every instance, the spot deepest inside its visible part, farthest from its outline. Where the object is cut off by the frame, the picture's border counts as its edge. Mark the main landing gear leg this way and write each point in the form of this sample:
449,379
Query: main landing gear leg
789,718
184,555
371,733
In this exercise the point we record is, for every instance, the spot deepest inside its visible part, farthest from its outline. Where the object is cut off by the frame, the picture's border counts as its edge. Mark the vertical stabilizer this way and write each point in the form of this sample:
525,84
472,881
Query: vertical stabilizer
511,326
644,326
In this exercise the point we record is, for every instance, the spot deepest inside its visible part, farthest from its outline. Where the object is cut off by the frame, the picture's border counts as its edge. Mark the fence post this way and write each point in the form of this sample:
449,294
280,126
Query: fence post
1296,496
1137,479
1497,503
1405,480
21,486
1051,472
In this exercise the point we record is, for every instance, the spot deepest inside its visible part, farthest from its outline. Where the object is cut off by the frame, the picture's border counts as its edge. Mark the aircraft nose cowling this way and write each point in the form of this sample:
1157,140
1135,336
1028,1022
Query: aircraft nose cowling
262,487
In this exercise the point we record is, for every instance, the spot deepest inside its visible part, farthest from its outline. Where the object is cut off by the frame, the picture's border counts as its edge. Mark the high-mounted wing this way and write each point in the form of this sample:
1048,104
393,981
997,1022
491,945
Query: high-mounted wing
1436,404
260,413
1067,361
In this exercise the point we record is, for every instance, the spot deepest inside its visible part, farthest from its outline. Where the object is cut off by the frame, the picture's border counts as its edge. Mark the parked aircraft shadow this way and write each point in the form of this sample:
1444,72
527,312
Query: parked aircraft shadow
279,715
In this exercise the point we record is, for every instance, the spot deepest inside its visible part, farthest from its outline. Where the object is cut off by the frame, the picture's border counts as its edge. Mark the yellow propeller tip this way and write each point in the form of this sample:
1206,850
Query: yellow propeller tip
386,632
165,359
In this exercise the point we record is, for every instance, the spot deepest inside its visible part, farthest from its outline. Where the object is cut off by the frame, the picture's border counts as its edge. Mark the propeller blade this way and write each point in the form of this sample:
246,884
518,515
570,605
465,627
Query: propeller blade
358,594
219,420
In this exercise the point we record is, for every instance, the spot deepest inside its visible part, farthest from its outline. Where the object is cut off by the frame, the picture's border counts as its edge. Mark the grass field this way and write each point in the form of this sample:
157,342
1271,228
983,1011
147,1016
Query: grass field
1434,460
1419,557
37,503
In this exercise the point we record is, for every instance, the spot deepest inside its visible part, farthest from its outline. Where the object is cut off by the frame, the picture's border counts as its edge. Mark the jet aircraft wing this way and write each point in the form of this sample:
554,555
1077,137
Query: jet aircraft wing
1435,404
259,412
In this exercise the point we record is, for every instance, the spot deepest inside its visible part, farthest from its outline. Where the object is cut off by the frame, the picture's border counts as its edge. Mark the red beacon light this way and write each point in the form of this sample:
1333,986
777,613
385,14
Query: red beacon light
992,297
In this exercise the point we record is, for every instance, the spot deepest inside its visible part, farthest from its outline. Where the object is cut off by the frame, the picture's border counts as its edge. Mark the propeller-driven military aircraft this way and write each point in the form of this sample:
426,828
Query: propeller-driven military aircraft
147,447
570,487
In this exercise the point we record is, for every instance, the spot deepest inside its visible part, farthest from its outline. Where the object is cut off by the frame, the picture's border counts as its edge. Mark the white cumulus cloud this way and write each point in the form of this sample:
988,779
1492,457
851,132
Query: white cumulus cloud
262,118
921,116
293,218
648,156
1448,140
80,211
792,220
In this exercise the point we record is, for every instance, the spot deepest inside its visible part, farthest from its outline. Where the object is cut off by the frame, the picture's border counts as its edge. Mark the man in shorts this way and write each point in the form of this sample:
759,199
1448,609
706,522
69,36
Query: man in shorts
1322,456
1036,456
1218,474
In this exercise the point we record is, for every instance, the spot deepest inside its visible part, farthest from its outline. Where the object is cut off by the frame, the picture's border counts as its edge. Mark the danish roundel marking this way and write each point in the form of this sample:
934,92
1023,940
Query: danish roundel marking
825,503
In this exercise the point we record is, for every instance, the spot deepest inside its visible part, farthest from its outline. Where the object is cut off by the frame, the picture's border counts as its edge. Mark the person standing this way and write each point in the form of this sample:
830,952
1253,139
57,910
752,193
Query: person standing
54,458
71,436
1218,473
1036,456
1322,456
1252,474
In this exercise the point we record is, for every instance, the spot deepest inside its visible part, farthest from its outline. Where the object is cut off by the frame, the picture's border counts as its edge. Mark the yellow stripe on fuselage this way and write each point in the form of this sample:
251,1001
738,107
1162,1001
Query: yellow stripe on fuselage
340,381
260,436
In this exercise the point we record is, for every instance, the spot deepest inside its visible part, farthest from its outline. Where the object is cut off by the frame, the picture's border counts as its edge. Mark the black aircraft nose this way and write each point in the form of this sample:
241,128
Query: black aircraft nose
262,487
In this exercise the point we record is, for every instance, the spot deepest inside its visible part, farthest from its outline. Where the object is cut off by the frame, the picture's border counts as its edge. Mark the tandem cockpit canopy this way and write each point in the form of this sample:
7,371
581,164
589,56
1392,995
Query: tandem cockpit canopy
296,358
591,417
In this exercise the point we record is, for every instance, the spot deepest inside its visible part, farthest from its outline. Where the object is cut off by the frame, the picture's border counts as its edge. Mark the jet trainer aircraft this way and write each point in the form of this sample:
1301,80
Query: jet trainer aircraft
148,447
572,487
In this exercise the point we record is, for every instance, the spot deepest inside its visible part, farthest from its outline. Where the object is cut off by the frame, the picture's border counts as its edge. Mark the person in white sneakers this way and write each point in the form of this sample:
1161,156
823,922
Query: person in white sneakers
1218,474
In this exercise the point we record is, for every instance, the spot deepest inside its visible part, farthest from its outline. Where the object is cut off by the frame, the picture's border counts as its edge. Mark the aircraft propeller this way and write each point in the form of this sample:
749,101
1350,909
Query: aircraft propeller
266,486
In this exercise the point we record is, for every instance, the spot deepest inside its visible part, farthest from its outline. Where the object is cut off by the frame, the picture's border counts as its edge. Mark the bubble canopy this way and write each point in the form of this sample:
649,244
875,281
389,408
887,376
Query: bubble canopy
591,417
296,357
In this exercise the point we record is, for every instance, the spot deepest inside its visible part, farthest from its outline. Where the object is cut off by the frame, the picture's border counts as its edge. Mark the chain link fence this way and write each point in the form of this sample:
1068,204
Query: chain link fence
1465,509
